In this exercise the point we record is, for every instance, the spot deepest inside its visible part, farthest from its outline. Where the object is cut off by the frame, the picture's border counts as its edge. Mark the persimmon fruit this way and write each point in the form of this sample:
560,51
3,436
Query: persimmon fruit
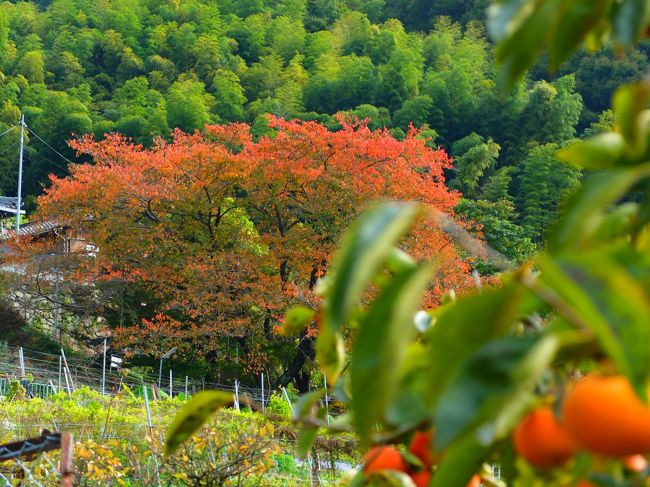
421,447
475,481
421,478
542,440
385,457
635,463
605,416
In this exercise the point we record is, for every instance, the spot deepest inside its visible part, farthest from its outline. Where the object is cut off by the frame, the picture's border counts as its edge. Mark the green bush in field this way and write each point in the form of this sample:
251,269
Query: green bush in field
278,405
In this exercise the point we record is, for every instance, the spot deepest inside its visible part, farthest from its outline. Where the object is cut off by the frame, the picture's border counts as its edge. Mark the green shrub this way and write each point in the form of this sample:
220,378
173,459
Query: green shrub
286,464
278,405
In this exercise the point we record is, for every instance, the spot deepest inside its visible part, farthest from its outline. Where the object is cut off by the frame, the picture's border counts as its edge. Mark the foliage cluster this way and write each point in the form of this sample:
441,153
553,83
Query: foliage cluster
114,446
209,237
145,68
546,373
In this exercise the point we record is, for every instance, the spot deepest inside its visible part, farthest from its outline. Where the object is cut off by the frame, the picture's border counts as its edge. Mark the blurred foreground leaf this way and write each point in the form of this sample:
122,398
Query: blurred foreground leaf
193,415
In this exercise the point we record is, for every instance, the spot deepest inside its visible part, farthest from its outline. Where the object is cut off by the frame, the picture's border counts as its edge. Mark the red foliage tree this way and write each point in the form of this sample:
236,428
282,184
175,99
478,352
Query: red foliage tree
225,231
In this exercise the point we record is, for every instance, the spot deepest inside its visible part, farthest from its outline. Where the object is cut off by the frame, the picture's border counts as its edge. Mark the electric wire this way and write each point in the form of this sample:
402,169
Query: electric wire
8,130
53,149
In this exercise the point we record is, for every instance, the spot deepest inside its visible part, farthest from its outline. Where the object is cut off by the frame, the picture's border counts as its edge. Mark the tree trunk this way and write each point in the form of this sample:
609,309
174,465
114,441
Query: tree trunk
304,351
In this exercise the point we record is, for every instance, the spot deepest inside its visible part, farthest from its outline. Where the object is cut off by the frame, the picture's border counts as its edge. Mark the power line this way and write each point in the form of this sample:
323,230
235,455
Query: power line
36,155
56,151
10,147
8,130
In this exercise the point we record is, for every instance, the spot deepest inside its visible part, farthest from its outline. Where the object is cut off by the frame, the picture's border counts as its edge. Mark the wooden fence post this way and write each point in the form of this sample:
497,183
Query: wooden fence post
67,464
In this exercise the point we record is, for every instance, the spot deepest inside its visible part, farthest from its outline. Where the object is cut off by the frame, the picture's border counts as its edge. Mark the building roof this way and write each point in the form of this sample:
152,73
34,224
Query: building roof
8,204
30,229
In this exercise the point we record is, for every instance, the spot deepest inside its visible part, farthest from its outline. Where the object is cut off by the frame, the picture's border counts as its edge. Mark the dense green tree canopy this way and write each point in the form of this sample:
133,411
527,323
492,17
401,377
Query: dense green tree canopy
143,68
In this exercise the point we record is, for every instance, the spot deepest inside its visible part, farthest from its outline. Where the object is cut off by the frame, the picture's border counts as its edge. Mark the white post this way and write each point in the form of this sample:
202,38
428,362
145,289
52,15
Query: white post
327,408
104,370
57,330
59,371
237,395
286,396
21,359
67,383
186,388
170,384
65,364
263,406
160,373
20,171
52,386
146,406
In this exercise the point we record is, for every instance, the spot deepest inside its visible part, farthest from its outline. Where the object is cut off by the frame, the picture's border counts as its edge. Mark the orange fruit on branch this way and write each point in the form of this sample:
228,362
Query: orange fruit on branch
421,478
422,447
604,415
635,463
385,457
542,440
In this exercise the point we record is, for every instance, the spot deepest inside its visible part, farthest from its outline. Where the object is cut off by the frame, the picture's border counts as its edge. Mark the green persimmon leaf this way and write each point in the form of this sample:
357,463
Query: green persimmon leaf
464,326
632,119
296,319
460,462
585,207
602,151
493,377
193,415
379,350
365,248
613,303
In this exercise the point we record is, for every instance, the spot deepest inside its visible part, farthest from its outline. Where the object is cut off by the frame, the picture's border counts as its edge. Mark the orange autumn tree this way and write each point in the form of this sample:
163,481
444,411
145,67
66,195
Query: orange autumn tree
225,231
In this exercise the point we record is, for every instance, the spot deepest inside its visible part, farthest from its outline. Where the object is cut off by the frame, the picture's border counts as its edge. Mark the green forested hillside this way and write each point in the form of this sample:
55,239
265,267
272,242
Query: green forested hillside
144,67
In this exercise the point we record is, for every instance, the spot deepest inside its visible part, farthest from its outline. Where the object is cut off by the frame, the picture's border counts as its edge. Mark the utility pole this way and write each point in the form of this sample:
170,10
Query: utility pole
20,171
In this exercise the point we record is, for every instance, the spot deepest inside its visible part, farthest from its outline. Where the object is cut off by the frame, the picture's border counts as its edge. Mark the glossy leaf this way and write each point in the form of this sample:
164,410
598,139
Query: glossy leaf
306,402
611,302
575,19
296,319
603,151
493,376
584,209
306,438
380,347
330,353
193,415
365,248
460,462
522,29
629,19
631,117
410,405
464,326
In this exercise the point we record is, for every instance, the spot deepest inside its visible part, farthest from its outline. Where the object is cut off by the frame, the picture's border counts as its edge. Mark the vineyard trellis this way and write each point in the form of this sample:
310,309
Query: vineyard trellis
26,462
48,372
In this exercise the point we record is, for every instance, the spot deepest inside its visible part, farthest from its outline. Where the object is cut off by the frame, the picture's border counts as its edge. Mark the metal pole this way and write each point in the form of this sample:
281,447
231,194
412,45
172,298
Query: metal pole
263,407
59,371
146,405
160,374
327,408
65,364
104,370
186,388
170,384
22,362
56,308
237,395
286,396
20,171
67,383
